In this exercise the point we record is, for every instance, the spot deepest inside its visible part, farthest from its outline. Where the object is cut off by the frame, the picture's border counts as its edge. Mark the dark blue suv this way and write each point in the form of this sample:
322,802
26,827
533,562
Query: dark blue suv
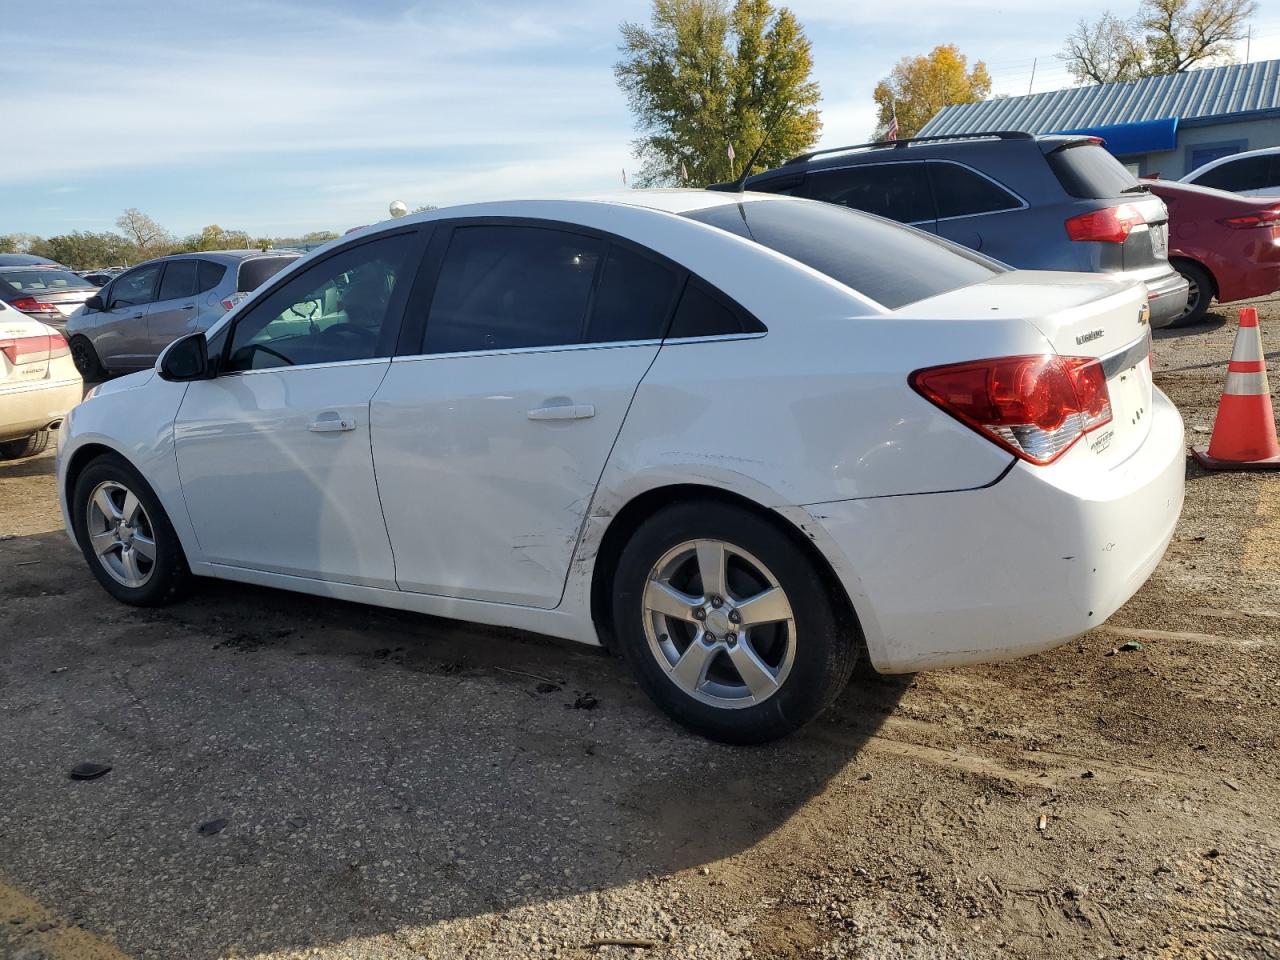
1040,203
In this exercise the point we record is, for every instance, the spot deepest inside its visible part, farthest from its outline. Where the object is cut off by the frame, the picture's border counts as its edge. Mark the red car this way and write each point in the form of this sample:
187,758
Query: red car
1225,244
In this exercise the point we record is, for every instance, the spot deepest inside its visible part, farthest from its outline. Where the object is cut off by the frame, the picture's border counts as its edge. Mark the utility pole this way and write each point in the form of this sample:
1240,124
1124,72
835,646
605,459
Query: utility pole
1248,42
1033,75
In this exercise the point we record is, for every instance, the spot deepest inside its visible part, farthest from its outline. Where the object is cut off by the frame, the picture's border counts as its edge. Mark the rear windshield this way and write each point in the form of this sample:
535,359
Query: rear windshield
44,281
1086,170
891,264
254,273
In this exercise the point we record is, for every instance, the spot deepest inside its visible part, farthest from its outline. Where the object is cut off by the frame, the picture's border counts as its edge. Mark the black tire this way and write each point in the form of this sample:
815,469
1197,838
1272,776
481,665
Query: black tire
85,357
1199,296
825,646
30,446
167,576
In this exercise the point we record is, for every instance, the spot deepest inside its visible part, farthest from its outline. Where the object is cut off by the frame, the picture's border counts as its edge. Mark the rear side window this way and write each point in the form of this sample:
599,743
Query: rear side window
1087,171
897,191
961,192
633,300
703,313
1247,173
887,263
508,287
254,273
179,280
209,275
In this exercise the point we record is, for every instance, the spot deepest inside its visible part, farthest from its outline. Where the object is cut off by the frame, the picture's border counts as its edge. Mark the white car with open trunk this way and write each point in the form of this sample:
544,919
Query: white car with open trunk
739,437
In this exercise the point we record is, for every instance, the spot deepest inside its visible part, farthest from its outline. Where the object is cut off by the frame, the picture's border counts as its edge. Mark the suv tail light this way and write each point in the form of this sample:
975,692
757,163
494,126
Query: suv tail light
30,305
1263,218
1108,225
1035,407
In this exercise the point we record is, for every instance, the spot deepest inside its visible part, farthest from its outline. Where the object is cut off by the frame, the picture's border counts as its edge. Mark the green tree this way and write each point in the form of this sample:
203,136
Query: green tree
214,237
321,236
702,77
83,250
1164,36
918,87
8,244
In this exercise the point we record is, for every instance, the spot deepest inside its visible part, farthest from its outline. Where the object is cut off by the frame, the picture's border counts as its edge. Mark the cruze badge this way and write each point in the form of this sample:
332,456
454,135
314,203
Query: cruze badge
1091,335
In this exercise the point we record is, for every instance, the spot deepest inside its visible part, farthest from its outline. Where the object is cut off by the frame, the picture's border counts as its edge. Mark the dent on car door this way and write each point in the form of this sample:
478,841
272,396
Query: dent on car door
274,451
491,431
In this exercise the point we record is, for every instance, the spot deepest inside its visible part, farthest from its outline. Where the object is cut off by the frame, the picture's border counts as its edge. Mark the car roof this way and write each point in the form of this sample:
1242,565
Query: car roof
220,256
1230,157
26,260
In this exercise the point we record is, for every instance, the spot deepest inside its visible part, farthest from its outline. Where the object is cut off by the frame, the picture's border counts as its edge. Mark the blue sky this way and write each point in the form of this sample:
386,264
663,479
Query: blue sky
281,116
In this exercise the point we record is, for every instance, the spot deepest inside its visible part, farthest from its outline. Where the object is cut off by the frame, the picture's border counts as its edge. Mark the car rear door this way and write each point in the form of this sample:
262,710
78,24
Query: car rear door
895,190
976,211
120,335
492,428
173,313
274,451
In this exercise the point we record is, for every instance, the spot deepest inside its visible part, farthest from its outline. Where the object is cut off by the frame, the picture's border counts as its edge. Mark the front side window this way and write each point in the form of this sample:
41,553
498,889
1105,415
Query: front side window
896,191
509,287
961,192
338,309
179,280
136,287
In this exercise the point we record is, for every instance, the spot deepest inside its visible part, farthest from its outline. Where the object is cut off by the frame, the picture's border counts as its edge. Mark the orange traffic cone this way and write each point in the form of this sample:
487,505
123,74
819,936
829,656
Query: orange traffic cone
1244,434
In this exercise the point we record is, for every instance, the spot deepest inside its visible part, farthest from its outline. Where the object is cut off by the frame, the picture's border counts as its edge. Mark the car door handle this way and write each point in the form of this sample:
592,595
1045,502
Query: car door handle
188,306
334,425
563,411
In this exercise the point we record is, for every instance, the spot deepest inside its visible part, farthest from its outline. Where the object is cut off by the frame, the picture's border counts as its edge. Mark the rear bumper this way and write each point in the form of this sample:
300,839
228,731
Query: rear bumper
1037,558
1167,296
33,406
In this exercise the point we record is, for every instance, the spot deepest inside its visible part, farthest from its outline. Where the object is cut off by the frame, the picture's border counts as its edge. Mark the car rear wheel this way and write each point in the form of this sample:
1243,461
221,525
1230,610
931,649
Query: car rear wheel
126,536
86,359
25,446
728,623
1199,293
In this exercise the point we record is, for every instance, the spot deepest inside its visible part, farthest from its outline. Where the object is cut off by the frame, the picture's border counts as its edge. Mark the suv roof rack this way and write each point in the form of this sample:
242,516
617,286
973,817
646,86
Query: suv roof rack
901,144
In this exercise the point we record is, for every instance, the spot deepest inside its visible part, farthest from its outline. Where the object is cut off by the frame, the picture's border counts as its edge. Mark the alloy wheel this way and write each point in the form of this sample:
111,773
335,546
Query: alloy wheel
121,534
719,624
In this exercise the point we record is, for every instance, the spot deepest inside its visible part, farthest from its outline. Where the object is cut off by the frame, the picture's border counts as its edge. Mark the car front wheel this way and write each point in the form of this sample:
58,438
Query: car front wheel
85,357
1199,294
729,624
126,536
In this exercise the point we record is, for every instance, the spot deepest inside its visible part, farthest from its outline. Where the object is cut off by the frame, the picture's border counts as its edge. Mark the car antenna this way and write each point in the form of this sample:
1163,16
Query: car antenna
740,184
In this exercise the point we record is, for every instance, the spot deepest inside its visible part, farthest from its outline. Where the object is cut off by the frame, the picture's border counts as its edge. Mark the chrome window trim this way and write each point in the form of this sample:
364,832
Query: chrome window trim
306,366
563,348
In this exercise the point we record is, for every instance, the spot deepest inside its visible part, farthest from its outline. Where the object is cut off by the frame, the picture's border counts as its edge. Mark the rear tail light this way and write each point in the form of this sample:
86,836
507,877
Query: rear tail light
1263,218
33,306
1035,407
26,349
58,346
1108,225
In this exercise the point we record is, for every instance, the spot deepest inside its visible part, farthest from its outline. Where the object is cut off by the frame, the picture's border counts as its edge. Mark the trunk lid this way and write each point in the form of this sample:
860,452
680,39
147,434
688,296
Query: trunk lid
25,347
1081,315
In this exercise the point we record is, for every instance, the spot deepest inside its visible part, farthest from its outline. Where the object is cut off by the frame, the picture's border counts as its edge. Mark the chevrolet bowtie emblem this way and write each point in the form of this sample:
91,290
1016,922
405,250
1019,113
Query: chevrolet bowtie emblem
1144,314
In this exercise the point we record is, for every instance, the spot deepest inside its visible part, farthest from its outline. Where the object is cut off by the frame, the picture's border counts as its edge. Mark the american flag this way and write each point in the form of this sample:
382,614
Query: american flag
892,132
731,153
624,176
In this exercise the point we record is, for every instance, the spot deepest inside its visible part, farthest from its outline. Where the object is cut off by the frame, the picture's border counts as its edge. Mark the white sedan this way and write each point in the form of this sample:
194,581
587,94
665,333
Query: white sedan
38,383
742,438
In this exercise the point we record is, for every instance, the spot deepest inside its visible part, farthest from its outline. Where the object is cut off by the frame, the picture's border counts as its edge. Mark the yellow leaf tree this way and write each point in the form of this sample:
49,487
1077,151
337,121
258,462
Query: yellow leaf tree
921,86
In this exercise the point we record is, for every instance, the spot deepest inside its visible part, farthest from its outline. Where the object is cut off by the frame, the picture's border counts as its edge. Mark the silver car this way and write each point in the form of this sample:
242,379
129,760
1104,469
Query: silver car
135,316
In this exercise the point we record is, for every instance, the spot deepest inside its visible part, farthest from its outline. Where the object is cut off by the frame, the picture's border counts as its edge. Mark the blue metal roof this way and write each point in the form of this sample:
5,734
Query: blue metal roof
1196,94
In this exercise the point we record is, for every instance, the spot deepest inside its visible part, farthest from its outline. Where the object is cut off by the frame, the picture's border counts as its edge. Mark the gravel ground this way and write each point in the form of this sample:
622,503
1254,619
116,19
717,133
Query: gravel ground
293,777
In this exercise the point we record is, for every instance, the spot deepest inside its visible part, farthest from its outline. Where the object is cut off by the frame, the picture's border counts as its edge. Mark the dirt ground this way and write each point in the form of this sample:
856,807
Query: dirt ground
293,777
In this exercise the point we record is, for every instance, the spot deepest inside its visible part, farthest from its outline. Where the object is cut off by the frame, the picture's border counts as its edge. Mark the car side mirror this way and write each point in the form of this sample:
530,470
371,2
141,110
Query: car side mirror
186,359
95,303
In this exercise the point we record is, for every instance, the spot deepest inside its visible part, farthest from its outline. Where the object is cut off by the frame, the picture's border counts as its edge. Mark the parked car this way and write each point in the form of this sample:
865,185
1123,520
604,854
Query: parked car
139,312
100,278
1042,203
26,260
45,291
740,437
1254,172
38,383
1225,244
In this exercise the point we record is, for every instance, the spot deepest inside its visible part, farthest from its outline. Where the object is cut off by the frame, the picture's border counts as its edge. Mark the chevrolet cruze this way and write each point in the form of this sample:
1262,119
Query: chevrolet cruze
742,438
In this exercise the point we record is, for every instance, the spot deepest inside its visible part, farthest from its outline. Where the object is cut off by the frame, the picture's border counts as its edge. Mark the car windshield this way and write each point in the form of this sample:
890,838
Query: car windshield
1087,171
254,273
44,280
884,261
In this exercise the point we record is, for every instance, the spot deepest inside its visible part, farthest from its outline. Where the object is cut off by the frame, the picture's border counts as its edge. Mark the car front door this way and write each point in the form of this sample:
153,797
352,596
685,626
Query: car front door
898,191
273,451
490,432
120,333
174,312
